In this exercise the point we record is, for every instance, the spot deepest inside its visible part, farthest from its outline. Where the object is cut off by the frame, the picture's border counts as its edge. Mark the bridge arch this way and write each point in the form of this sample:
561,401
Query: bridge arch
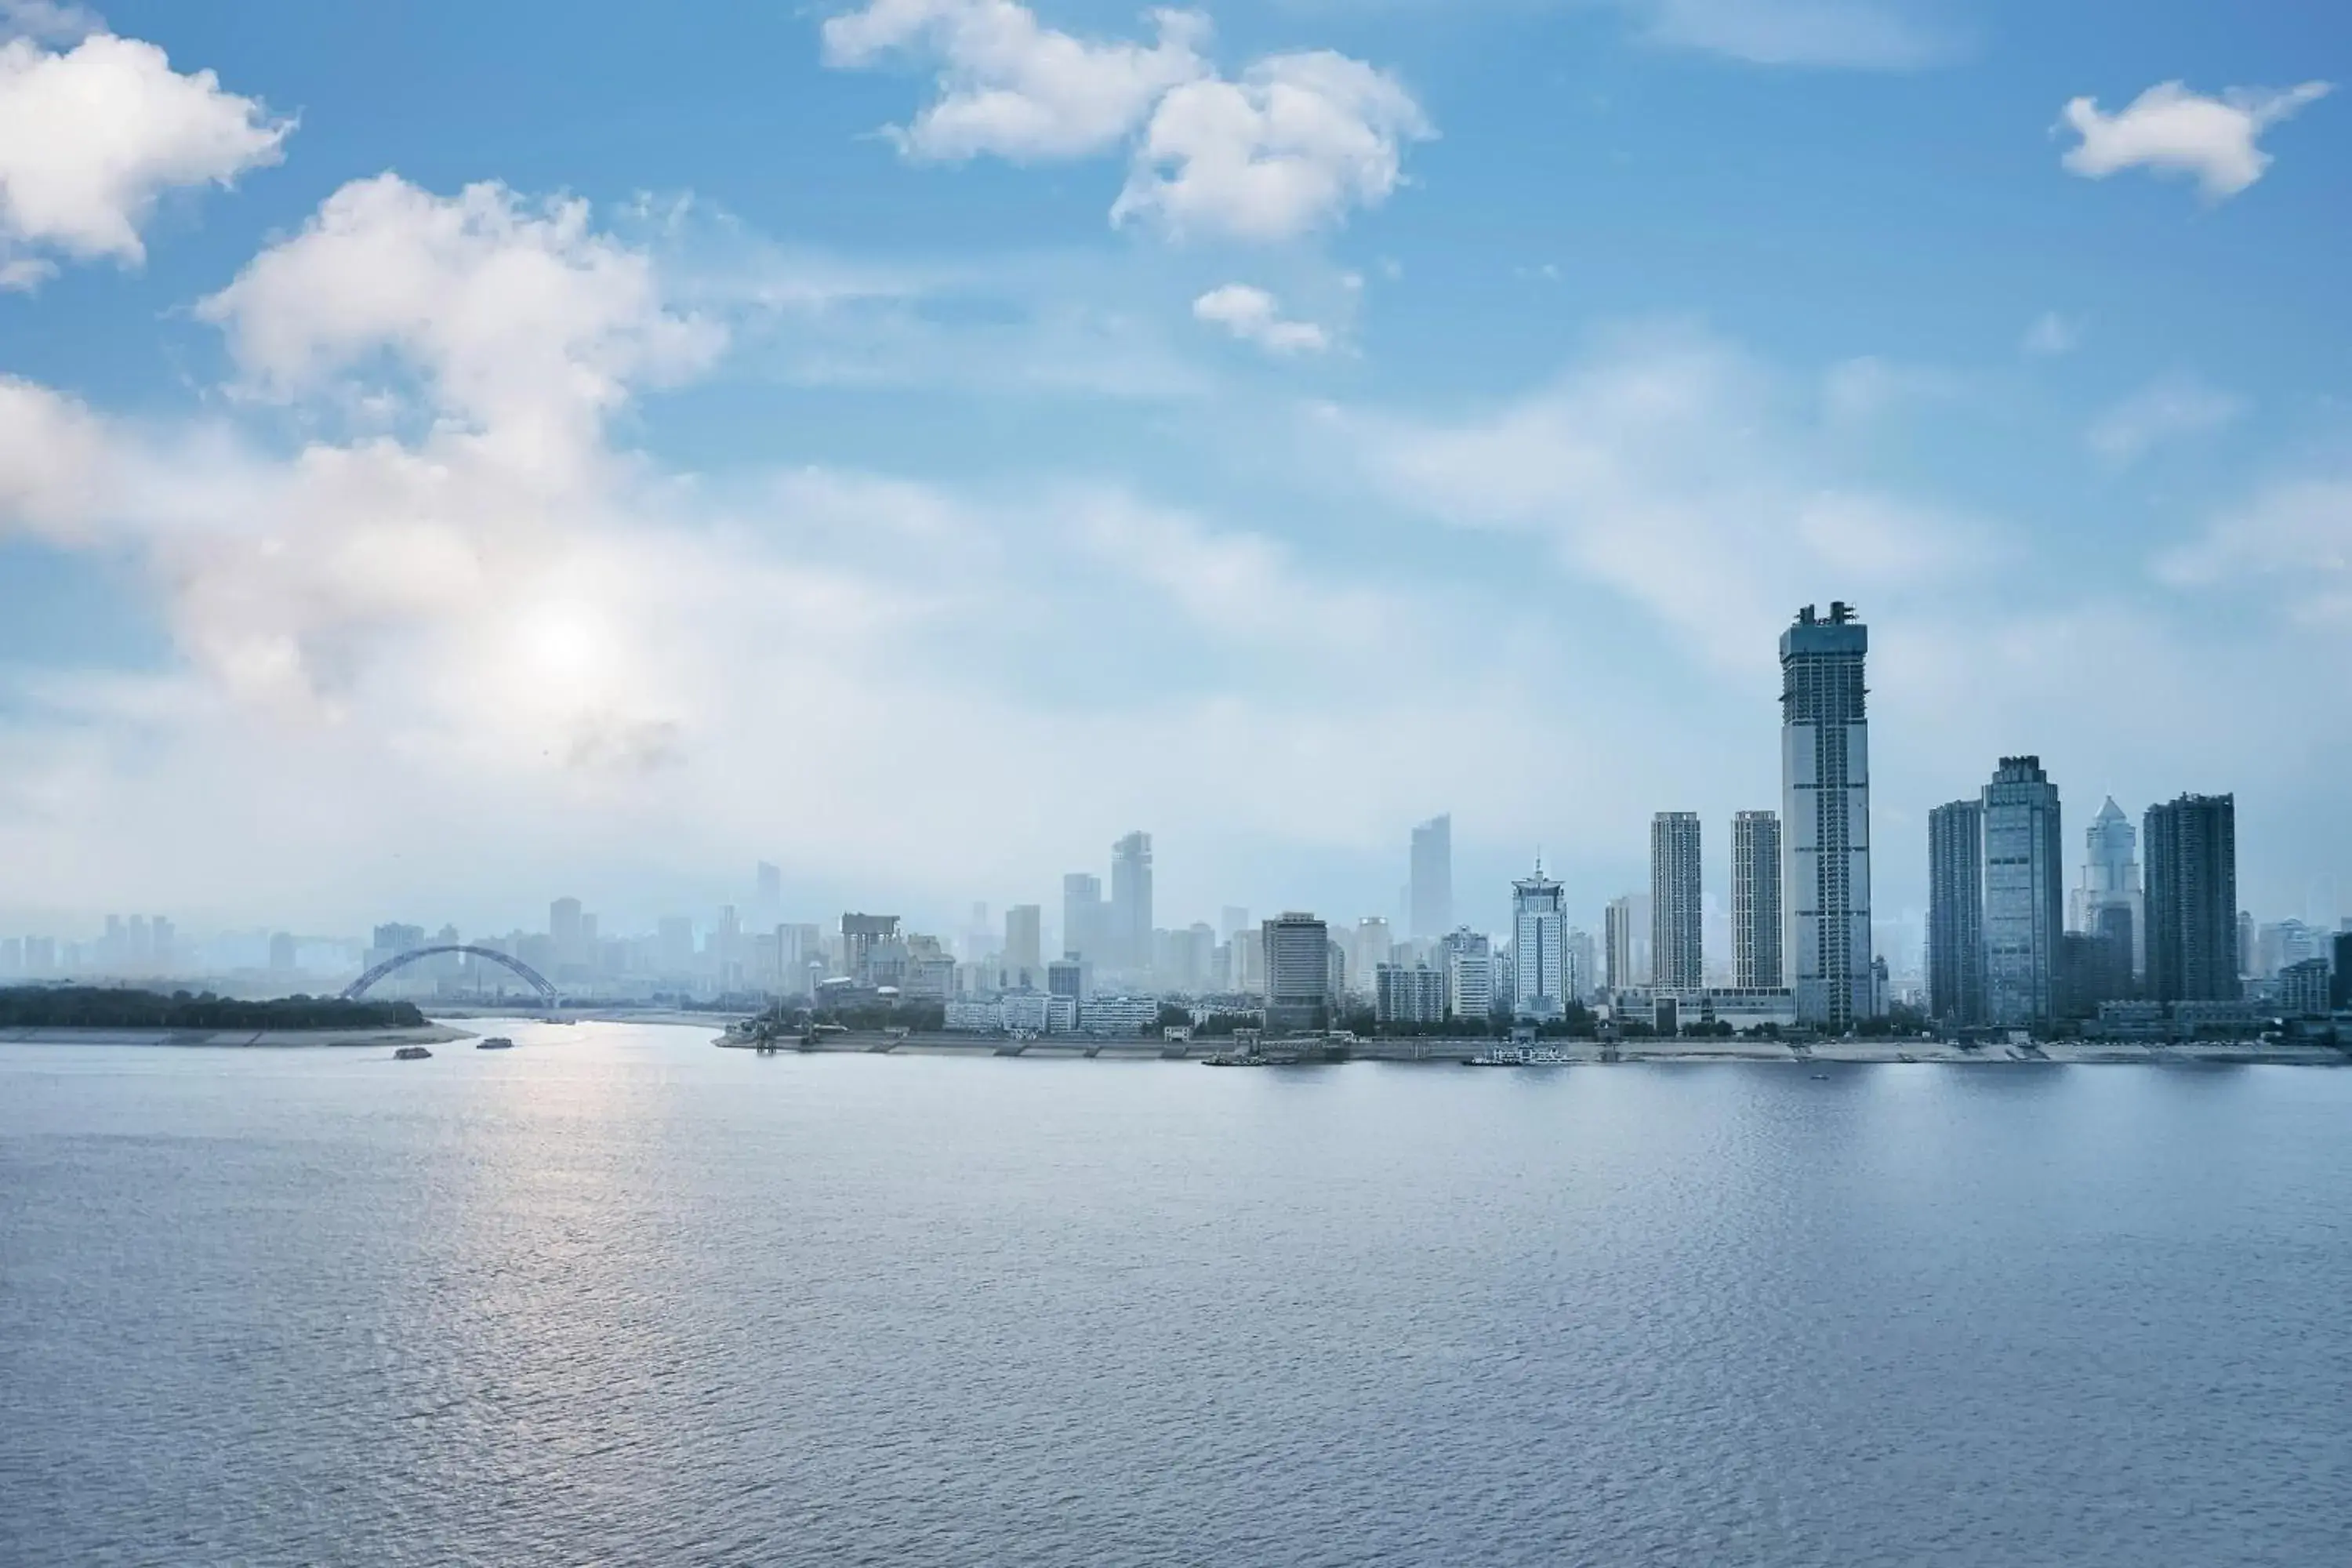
538,981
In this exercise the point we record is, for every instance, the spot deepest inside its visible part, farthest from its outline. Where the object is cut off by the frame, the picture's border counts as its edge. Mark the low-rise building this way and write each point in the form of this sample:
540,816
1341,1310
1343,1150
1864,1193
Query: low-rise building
1118,1014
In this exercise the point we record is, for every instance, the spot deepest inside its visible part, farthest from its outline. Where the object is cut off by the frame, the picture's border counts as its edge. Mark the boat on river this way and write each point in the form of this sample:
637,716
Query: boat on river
410,1054
495,1042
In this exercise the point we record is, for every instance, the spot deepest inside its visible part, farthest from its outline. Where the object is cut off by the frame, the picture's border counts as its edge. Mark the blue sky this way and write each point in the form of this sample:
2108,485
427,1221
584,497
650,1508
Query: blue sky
458,455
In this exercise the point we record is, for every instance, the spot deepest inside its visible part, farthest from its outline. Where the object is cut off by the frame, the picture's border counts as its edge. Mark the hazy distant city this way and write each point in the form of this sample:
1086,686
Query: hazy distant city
2137,935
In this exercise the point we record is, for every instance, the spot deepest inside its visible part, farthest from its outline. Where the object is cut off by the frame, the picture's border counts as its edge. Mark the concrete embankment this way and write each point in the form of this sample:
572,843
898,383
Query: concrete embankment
1595,1053
427,1035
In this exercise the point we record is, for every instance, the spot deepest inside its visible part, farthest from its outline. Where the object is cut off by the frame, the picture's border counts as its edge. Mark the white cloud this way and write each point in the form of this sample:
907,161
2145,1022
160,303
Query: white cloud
91,138
51,21
52,461
1873,35
1254,316
2050,336
1677,472
2295,537
2171,407
522,321
1293,145
2170,129
1012,87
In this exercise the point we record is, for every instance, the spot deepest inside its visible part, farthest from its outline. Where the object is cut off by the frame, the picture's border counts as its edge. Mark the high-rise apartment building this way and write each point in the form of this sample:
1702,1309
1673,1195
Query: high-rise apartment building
1025,940
2110,880
1430,892
1085,917
2339,983
1825,817
1373,948
1677,910
1582,965
1756,901
2191,848
1956,995
1130,901
2025,896
1617,944
1539,947
1468,960
1298,954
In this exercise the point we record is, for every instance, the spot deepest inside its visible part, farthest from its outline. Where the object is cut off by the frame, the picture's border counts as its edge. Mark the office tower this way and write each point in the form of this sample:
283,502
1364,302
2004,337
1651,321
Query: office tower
1024,939
1232,921
1956,914
1617,940
2024,898
1678,914
1467,959
1374,946
1756,899
2110,879
1430,894
2190,850
1247,950
1825,817
1581,967
1129,940
1539,947
563,930
768,896
674,944
1085,919
1298,954
2339,983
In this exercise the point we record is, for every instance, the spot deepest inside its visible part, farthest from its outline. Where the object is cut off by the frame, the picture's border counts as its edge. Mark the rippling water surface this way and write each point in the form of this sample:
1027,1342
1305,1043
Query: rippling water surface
616,1296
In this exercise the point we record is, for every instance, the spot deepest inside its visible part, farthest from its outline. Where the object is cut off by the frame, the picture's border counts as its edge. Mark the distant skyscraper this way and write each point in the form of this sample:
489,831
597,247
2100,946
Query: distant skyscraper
2191,855
1431,891
1024,948
1756,901
1298,972
768,895
1130,901
1617,944
1374,945
1582,962
2111,880
1084,918
1956,913
281,953
1677,910
563,930
1539,947
2025,897
2339,985
1825,816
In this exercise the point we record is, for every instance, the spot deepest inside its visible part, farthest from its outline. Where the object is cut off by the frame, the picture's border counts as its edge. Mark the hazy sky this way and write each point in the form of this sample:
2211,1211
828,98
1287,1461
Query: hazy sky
453,455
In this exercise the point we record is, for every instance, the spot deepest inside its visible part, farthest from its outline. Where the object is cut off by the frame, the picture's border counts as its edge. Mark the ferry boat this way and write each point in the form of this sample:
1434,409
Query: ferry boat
495,1042
410,1054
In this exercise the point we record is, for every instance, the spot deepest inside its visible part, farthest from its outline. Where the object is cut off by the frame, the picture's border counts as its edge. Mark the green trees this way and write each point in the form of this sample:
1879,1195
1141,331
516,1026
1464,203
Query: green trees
108,1007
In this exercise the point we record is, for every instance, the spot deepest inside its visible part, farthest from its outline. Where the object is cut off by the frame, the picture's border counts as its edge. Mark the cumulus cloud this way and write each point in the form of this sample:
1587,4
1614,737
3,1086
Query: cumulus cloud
2170,129
52,461
91,138
1254,316
1012,87
518,318
2168,409
52,21
1870,34
1293,145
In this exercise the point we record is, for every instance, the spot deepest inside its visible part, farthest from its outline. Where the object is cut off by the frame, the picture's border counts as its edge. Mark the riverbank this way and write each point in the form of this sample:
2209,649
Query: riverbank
424,1035
1595,1053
